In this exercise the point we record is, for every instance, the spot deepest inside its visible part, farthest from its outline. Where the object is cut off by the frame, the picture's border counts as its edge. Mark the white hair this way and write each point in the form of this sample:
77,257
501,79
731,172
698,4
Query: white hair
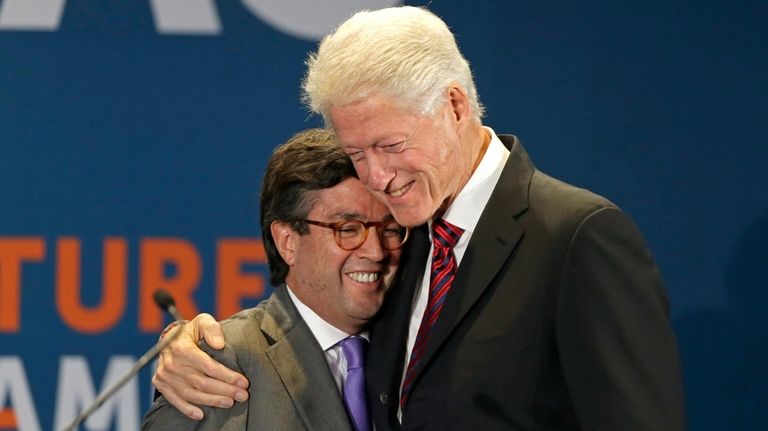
405,53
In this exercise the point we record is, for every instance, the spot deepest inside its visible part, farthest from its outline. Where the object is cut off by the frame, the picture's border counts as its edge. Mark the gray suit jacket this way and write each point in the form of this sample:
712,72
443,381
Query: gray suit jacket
291,385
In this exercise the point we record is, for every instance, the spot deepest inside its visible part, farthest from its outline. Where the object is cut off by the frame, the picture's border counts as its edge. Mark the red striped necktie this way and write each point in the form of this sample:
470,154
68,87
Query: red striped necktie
444,238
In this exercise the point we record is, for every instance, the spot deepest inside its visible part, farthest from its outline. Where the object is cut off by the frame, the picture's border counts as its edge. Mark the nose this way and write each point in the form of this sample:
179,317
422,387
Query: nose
371,248
377,174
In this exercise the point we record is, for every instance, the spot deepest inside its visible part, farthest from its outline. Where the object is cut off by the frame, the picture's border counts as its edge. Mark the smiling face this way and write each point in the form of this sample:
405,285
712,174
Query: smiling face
415,164
344,287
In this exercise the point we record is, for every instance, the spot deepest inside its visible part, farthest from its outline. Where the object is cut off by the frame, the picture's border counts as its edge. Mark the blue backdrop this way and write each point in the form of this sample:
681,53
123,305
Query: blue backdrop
134,134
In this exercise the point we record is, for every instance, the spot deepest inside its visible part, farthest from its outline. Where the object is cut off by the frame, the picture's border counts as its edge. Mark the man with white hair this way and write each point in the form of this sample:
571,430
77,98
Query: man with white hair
524,302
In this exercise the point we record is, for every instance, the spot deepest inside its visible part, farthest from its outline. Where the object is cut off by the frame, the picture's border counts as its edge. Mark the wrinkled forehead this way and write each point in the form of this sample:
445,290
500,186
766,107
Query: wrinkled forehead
363,125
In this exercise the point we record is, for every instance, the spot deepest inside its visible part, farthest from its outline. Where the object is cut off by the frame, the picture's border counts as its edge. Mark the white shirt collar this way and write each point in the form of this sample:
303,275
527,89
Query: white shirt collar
463,211
325,333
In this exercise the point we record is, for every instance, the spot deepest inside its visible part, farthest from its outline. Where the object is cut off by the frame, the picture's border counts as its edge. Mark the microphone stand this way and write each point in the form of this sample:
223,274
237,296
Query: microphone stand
143,360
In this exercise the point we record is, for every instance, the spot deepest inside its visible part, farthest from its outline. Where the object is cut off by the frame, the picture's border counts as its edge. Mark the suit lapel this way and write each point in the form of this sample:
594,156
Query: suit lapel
496,235
302,367
389,331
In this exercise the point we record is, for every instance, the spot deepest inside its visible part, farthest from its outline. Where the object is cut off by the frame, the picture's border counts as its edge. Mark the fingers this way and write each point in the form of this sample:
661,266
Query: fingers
189,378
218,379
185,395
185,387
189,410
206,326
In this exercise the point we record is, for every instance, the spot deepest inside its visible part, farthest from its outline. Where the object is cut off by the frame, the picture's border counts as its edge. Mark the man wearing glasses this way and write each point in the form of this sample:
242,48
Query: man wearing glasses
524,302
333,251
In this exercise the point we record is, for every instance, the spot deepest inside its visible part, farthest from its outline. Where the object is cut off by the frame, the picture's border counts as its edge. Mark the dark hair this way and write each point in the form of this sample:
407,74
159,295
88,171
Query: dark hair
311,160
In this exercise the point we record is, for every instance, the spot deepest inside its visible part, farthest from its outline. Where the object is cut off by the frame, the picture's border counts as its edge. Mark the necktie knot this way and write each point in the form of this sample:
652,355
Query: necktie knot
445,234
354,351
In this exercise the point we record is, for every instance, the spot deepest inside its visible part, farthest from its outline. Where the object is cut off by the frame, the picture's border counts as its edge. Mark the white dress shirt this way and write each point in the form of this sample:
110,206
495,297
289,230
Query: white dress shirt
329,337
463,213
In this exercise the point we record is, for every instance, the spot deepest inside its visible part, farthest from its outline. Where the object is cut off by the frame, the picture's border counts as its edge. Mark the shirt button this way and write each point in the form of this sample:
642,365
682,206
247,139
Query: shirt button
384,398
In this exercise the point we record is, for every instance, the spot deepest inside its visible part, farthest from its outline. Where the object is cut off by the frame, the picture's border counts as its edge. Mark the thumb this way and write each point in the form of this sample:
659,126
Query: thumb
208,328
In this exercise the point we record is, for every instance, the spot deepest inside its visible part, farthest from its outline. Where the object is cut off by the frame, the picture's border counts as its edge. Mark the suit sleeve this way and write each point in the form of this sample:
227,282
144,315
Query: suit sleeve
617,349
163,416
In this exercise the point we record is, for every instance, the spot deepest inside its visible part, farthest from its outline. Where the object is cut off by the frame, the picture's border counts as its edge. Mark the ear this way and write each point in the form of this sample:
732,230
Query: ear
459,104
285,240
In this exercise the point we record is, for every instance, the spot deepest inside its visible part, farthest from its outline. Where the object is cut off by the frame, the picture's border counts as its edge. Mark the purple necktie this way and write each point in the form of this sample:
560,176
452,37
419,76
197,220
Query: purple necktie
354,386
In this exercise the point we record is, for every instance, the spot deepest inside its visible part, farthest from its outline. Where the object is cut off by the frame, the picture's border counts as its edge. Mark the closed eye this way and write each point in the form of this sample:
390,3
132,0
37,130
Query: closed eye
393,148
356,156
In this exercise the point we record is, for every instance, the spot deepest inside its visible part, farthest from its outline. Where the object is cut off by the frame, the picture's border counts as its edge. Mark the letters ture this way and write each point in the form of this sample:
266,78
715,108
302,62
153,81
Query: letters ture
173,264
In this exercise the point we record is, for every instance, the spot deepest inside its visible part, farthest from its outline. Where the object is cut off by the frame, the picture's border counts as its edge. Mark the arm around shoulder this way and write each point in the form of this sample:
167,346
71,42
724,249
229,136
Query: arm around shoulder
164,416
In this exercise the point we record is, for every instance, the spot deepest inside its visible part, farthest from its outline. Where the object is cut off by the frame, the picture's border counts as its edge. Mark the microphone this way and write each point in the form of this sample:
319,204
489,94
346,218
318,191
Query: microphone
165,301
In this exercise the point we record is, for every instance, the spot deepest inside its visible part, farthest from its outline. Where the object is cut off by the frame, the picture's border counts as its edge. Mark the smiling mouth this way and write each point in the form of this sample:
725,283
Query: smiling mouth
401,191
364,277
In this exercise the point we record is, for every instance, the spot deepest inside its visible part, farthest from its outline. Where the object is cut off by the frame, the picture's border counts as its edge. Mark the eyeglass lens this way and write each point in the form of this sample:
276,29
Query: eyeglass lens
352,234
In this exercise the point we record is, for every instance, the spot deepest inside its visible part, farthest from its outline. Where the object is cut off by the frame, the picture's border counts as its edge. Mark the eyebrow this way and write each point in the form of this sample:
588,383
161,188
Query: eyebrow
358,216
346,216
407,136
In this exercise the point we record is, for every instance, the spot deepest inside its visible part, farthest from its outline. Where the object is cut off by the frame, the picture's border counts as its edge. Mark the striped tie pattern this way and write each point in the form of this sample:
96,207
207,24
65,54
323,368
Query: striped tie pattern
444,237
